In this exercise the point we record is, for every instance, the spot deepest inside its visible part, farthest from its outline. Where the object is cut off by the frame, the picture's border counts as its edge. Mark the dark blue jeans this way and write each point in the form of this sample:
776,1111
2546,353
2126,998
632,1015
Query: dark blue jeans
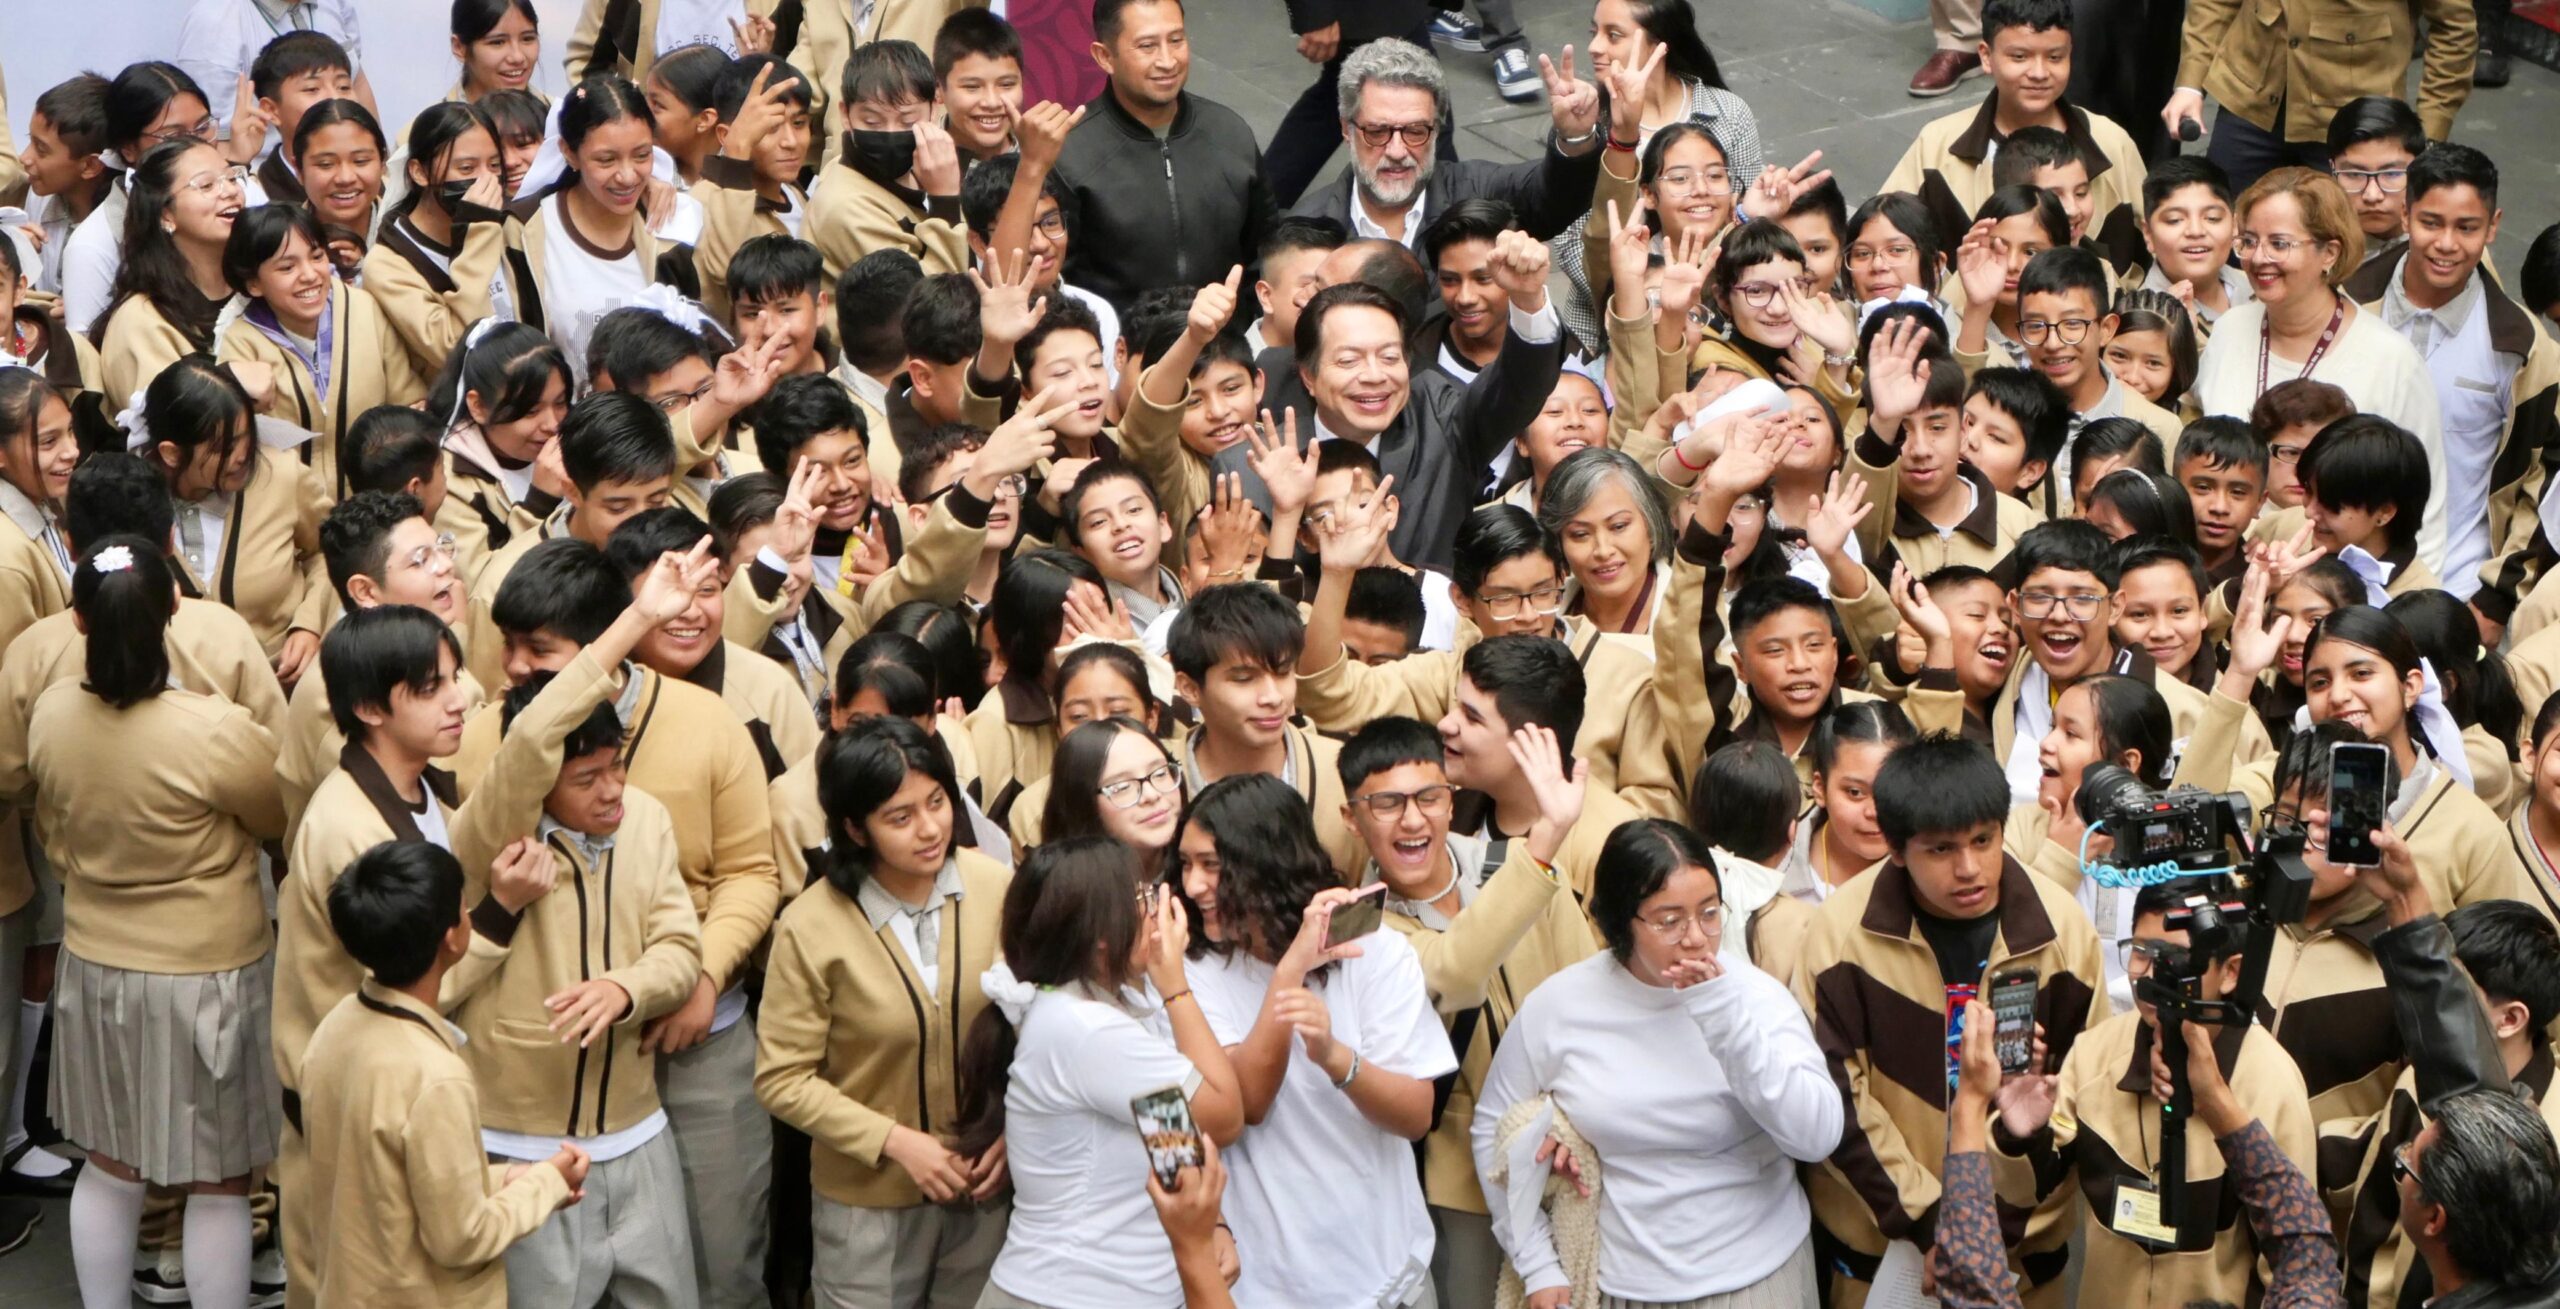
2248,152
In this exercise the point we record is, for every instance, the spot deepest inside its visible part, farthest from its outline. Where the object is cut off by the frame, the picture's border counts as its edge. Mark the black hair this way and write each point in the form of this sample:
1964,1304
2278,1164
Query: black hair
2034,15
1745,799
473,19
739,506
23,395
1532,679
1938,783
2132,716
1155,319
371,652
1674,25
1065,314
136,98
859,770
2302,762
1240,620
2478,690
1827,201
1758,602
297,53
638,542
940,322
871,300
2008,202
564,586
615,436
1480,218
599,101
1227,347
1309,345
355,539
432,135
1909,215
2152,504
1120,661
2063,270
392,907
729,92
1493,535
1388,742
195,403
517,115
1637,859
1106,18
2545,718
2541,278
601,730
77,108
2512,951
983,190
1296,232
2450,163
1746,246
1028,608
922,459
887,72
1347,457
947,633
973,32
388,447
1074,807
2376,118
124,612
154,269
1393,268
1865,722
2124,439
798,411
692,75
117,494
868,658
1939,343
1068,918
1095,476
2030,149
509,369
2143,550
2178,172
258,235
1942,379
2223,442
1388,597
774,266
2376,630
2366,461
631,345
330,113
2068,545
2042,410
1270,864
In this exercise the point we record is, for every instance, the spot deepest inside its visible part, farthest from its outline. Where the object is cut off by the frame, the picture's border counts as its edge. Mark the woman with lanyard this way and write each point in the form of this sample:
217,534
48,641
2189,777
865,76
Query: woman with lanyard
2298,241
327,344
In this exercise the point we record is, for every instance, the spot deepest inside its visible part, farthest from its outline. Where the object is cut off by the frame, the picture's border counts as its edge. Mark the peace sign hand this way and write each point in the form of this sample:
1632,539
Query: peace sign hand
1626,83
1575,104
765,109
1776,189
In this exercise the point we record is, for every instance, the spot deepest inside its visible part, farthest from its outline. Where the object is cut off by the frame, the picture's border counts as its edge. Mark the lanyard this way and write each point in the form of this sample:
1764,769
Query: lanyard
2266,338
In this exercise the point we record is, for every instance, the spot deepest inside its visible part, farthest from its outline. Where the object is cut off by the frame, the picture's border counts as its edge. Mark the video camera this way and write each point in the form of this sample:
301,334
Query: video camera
2244,889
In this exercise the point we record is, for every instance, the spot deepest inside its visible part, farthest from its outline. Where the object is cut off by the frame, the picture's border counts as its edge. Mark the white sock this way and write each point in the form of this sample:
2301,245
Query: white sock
106,1217
215,1248
22,1059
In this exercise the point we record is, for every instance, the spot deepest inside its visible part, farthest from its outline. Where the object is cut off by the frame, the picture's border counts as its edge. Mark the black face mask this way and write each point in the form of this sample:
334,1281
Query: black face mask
881,156
449,198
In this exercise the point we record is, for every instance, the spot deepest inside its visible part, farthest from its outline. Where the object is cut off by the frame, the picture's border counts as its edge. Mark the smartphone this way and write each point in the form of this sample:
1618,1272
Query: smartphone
1164,1124
2357,800
2013,1013
1356,917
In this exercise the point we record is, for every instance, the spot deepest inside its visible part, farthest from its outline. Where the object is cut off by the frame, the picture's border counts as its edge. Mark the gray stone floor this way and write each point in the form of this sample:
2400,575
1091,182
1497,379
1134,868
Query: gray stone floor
1819,74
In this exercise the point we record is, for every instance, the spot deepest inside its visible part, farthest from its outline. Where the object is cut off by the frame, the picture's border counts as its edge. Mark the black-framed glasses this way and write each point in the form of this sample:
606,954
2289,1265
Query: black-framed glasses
1009,487
2141,958
2285,454
2081,606
1547,599
1125,794
668,404
1433,801
1416,135
1759,294
2392,180
1051,224
2070,331
2401,1171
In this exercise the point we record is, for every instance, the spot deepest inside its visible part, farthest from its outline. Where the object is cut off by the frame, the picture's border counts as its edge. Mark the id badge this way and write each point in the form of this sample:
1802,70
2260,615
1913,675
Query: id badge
2137,1213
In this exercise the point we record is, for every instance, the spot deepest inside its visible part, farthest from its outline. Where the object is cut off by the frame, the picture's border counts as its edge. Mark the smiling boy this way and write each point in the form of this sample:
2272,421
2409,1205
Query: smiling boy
977,69
2065,324
1197,397
750,186
1234,651
2187,233
1917,456
294,72
2223,465
689,646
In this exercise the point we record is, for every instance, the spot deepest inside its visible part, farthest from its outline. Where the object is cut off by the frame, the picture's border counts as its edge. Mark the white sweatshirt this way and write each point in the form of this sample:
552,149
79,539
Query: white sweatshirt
1698,1124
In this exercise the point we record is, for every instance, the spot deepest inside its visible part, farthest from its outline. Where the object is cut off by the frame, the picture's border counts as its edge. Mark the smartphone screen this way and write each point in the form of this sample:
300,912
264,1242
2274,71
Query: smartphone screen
2013,1011
2357,801
1356,917
1164,1123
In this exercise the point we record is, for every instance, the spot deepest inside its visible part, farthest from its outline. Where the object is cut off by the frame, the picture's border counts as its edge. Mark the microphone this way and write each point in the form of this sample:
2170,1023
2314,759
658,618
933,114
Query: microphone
2189,128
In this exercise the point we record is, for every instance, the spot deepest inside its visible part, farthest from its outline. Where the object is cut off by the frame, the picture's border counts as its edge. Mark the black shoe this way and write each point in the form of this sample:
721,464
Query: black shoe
18,1219
56,1187
2489,68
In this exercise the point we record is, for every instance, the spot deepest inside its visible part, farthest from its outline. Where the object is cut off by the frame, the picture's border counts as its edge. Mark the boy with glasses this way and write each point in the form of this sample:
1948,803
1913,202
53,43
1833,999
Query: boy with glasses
2065,324
2372,141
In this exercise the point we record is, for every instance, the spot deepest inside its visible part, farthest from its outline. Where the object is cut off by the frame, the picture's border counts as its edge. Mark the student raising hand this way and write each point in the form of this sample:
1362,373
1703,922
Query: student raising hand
1630,255
1895,386
1558,790
766,108
1350,537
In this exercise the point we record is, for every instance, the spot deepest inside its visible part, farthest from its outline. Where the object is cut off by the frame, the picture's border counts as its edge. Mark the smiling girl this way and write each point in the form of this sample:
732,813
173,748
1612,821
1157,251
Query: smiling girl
499,44
1616,534
37,451
1113,778
440,264
326,343
586,241
338,150
1895,252
502,397
180,204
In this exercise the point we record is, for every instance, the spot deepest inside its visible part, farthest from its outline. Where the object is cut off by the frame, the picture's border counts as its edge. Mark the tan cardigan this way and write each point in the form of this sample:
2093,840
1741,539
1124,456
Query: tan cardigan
394,1129
850,216
269,566
850,1043
430,308
371,368
138,343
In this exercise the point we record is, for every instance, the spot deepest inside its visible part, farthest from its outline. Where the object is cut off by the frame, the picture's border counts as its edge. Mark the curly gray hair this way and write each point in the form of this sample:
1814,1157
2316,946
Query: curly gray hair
1389,61
1577,481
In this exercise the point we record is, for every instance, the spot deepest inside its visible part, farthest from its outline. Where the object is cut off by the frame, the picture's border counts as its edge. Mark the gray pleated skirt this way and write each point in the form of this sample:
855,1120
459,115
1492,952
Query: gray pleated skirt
170,1073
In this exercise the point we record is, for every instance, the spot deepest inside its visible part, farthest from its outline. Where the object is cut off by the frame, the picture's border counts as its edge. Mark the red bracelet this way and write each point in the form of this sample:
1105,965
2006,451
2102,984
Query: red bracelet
1616,144
1684,459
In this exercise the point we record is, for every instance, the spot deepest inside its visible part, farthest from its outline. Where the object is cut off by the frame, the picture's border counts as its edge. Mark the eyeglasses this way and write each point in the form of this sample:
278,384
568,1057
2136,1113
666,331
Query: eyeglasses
1712,181
2041,604
1862,255
2285,454
426,555
1161,780
1416,135
1749,506
1547,599
2401,1171
1052,224
2070,331
2141,958
2282,247
202,129
1674,924
668,404
2391,180
1433,801
208,183
1759,294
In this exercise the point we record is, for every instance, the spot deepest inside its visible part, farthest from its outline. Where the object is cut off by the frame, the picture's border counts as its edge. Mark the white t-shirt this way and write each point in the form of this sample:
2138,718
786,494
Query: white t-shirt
1084,1234
581,284
1329,1202
90,260
700,22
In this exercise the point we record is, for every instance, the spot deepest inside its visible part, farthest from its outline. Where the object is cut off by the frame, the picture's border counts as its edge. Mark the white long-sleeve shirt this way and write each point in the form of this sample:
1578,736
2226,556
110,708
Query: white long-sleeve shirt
1698,1124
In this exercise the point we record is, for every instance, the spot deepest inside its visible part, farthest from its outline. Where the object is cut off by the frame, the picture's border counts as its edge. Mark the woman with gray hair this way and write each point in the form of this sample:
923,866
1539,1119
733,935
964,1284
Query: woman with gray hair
1616,534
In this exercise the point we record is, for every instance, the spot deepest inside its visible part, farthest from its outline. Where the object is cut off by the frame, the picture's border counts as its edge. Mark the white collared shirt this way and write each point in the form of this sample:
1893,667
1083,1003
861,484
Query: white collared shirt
1364,227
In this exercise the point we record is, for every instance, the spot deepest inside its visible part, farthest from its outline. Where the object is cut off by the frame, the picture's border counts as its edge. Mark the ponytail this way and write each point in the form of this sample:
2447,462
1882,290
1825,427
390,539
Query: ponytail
125,596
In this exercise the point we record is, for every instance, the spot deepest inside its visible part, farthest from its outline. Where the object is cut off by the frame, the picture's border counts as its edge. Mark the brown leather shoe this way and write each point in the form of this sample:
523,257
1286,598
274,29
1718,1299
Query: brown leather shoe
1944,69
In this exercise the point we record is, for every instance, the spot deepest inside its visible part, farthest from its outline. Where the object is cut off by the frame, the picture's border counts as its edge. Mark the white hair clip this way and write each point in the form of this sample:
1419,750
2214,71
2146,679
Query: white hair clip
112,559
480,331
669,303
137,433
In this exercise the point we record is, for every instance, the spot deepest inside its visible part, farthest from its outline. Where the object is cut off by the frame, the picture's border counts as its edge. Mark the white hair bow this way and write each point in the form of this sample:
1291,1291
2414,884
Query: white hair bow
1908,294
2375,574
470,341
1009,994
112,559
669,303
137,433
2435,722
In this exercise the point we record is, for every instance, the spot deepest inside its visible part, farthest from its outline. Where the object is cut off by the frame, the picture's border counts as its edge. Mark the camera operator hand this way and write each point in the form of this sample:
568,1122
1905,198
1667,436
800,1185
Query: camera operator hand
2216,1107
2395,880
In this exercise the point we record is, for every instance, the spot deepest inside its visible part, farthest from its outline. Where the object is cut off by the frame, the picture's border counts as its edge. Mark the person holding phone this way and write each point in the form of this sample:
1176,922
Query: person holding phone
1335,1049
2096,1124
1696,1080
1049,1074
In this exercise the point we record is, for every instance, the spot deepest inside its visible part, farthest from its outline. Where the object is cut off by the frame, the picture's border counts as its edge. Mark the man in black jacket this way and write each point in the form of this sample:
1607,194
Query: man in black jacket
1394,102
1163,188
1432,434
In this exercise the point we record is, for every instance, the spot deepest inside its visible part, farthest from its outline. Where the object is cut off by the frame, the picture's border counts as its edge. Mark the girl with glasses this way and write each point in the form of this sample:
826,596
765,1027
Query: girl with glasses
148,104
1113,778
1693,1078
181,201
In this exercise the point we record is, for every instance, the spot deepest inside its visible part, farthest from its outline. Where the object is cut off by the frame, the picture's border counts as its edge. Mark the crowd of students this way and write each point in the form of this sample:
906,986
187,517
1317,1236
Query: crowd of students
738,687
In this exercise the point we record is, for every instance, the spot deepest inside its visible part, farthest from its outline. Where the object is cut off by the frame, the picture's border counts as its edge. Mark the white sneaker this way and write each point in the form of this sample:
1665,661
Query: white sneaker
160,1276
266,1277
